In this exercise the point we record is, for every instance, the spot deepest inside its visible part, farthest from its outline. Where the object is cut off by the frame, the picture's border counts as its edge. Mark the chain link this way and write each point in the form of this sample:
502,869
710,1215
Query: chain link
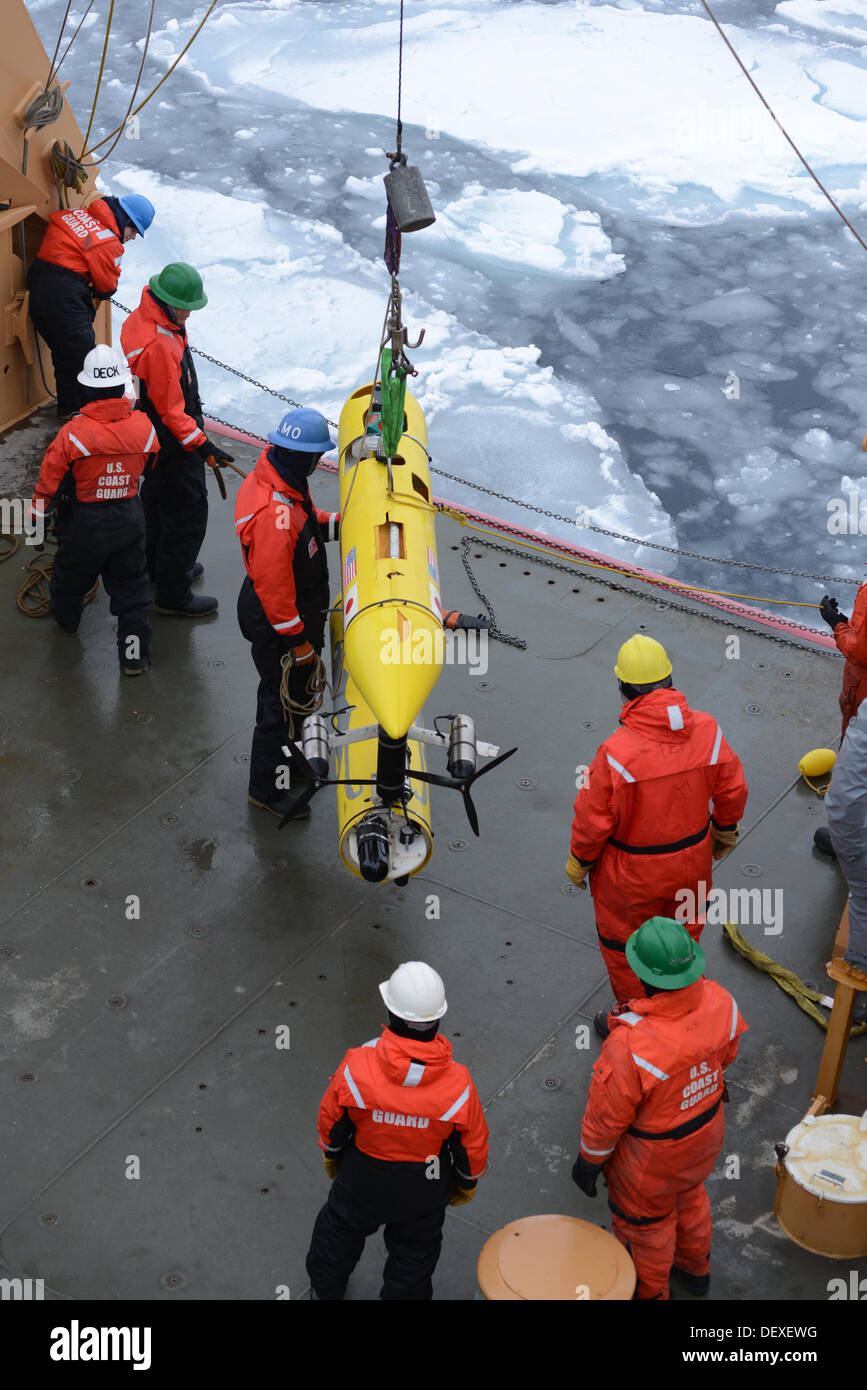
493,629
663,604
530,506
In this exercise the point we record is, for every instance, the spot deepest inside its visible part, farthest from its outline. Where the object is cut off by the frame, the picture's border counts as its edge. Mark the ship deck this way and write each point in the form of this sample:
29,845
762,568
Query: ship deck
149,1031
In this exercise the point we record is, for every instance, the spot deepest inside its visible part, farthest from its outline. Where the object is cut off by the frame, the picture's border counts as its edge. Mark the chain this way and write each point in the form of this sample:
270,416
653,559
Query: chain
636,540
542,511
234,372
494,630
662,604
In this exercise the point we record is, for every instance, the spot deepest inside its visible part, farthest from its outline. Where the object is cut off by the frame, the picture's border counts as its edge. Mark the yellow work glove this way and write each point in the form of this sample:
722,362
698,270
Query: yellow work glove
577,872
461,1196
722,841
330,1166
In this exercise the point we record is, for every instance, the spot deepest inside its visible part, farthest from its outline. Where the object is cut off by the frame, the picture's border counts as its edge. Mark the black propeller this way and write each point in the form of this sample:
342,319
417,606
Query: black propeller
301,766
463,786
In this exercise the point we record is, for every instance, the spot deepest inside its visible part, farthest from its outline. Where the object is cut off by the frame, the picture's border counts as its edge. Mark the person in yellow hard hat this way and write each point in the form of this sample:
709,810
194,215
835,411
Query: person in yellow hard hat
661,800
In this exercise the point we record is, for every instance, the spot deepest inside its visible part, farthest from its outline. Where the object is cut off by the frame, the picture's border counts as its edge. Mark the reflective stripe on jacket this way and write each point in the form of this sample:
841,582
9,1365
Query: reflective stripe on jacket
87,241
643,816
106,446
654,1117
282,536
158,354
405,1099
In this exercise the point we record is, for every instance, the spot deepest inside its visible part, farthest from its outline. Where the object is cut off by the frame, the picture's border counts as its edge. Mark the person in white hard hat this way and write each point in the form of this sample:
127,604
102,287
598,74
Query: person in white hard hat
89,479
403,1136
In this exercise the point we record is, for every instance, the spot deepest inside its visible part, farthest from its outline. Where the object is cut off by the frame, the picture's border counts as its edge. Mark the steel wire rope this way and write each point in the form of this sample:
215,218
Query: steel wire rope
813,175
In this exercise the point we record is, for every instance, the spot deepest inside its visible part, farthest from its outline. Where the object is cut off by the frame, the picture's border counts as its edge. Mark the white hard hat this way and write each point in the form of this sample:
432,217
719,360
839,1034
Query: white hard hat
103,368
415,993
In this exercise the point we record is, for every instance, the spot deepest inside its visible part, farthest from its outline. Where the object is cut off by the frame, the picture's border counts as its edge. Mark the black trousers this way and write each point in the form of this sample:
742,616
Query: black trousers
104,540
62,310
366,1194
175,499
271,732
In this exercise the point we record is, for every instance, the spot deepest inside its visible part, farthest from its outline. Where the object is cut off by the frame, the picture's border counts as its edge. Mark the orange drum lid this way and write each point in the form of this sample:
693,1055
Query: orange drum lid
555,1258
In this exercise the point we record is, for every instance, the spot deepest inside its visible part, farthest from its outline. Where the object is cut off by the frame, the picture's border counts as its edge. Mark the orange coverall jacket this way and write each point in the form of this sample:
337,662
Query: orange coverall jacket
106,445
851,638
660,1071
87,241
643,817
405,1099
155,348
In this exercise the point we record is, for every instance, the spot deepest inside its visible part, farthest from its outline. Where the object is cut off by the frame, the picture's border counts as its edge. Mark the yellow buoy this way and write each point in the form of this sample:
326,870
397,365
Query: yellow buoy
817,763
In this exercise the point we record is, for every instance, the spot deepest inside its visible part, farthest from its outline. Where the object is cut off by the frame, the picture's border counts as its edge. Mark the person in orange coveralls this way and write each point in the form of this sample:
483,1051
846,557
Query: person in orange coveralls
79,261
174,492
850,635
283,603
661,800
89,477
654,1120
403,1136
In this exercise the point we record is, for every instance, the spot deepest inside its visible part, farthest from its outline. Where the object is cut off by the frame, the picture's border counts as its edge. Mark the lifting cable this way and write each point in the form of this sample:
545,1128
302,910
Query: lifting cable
123,125
166,75
813,175
99,78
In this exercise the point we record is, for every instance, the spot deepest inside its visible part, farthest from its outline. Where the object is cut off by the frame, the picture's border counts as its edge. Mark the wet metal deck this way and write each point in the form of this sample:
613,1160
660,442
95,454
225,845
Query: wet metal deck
153,1036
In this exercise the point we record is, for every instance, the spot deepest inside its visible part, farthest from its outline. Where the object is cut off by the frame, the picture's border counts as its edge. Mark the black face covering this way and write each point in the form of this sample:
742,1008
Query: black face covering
121,217
404,1030
104,393
293,465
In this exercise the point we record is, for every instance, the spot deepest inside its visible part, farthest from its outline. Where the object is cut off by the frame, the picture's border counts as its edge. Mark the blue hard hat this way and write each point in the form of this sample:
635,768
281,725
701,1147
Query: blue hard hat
139,210
304,430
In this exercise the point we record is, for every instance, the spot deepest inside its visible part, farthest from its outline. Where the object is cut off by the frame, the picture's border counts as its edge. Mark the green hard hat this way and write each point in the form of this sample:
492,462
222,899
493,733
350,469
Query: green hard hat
180,285
663,954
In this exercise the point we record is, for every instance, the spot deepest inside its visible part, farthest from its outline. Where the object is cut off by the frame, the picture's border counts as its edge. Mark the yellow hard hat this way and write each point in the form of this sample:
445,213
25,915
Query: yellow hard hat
641,661
817,763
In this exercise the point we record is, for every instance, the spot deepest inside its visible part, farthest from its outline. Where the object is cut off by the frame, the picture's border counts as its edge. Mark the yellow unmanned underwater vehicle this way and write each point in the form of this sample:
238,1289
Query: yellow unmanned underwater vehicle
387,648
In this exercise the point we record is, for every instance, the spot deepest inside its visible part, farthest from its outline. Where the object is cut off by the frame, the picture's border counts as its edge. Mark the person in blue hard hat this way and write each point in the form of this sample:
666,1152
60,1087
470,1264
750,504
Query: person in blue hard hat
78,263
285,597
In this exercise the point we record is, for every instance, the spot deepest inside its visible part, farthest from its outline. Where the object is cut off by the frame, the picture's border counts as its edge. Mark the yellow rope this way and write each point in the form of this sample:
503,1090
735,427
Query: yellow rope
155,89
464,520
806,999
99,79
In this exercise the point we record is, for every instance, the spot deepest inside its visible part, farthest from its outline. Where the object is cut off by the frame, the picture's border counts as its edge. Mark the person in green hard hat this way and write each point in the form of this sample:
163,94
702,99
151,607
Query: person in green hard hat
654,1122
174,493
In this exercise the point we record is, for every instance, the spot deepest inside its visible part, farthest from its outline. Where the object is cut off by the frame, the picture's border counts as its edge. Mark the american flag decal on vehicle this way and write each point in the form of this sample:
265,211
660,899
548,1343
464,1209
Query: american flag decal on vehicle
432,566
349,569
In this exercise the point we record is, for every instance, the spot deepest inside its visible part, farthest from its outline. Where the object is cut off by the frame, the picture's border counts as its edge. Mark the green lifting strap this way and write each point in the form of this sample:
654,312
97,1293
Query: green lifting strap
393,398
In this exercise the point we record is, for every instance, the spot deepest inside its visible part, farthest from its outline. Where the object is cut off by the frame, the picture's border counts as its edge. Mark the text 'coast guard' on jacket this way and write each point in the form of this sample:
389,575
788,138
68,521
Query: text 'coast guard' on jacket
87,241
405,1099
106,446
282,535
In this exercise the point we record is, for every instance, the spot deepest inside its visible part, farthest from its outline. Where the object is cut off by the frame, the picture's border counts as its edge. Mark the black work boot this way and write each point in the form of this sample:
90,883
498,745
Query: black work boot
195,606
696,1284
822,841
134,665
